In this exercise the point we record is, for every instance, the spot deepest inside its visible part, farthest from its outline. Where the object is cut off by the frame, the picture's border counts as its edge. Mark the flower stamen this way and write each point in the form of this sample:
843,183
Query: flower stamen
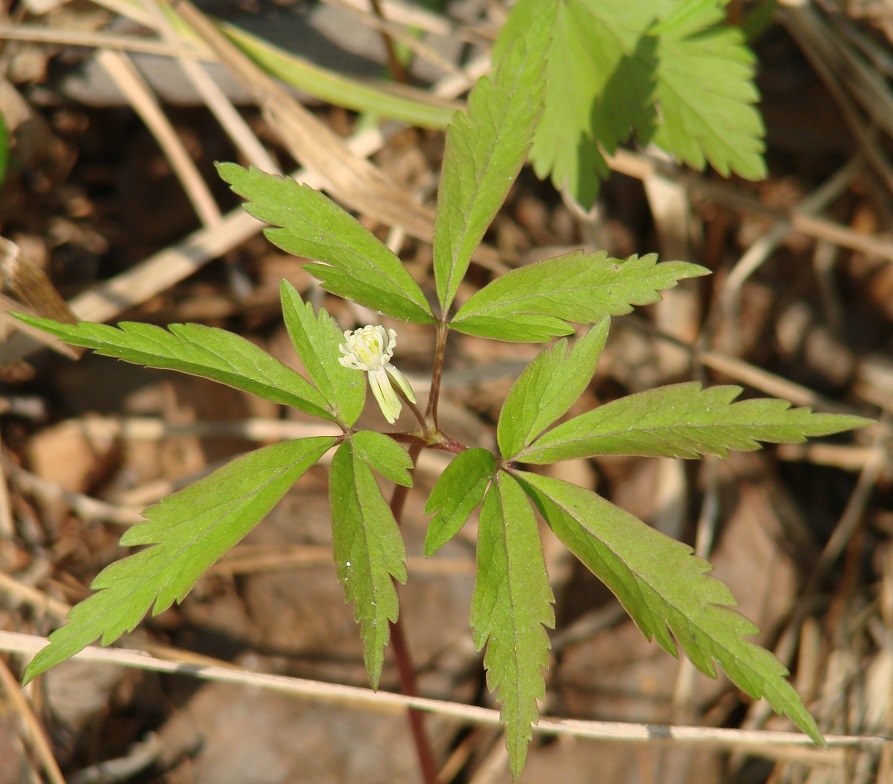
370,349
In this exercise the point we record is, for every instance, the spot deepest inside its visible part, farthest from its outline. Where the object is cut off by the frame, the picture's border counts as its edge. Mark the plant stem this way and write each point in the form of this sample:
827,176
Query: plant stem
416,718
398,72
403,657
415,410
439,353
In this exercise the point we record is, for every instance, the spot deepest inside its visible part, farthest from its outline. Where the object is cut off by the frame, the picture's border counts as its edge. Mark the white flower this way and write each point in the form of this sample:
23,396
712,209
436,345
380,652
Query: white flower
370,349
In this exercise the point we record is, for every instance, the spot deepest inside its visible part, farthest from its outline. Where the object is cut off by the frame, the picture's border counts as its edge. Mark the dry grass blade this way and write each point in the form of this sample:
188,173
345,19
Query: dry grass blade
137,92
129,9
85,506
128,43
32,733
641,166
29,282
815,203
767,744
398,33
7,523
31,287
215,99
413,16
851,81
353,180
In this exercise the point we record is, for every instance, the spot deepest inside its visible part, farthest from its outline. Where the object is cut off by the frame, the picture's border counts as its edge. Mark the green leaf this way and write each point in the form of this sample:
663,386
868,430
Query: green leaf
385,455
666,591
720,125
512,603
684,420
316,339
355,265
485,150
198,350
599,83
188,531
369,551
458,491
541,301
617,68
548,388
524,328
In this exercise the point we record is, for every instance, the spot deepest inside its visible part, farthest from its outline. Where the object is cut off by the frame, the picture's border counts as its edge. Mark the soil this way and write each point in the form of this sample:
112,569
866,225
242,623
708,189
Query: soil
800,533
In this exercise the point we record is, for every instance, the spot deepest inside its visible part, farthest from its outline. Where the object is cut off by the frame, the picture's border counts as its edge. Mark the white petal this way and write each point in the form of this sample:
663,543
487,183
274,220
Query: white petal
385,395
402,382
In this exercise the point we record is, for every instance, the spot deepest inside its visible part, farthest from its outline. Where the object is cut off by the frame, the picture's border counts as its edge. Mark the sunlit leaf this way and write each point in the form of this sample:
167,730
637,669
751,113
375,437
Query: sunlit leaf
458,491
198,350
542,301
316,338
665,71
548,388
369,551
667,592
384,455
187,532
512,603
485,150
347,258
683,420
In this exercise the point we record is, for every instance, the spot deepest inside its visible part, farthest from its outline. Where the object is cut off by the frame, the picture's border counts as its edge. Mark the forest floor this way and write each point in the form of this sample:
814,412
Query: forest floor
799,306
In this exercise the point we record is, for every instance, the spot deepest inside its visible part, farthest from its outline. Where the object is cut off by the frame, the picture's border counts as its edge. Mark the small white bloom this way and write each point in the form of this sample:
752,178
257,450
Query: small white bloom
370,349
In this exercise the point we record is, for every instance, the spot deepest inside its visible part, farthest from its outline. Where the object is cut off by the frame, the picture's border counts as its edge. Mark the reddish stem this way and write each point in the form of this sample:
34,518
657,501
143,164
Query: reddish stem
403,657
436,375
398,72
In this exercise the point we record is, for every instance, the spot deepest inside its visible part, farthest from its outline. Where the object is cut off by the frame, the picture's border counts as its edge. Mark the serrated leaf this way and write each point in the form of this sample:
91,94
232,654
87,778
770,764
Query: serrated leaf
720,125
600,82
456,494
512,603
666,591
525,328
354,264
385,455
684,420
617,68
369,552
188,531
316,339
198,350
548,388
541,301
485,149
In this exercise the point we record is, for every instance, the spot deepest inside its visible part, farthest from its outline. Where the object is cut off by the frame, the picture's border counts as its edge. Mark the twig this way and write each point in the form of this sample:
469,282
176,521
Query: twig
85,506
7,525
641,166
767,744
